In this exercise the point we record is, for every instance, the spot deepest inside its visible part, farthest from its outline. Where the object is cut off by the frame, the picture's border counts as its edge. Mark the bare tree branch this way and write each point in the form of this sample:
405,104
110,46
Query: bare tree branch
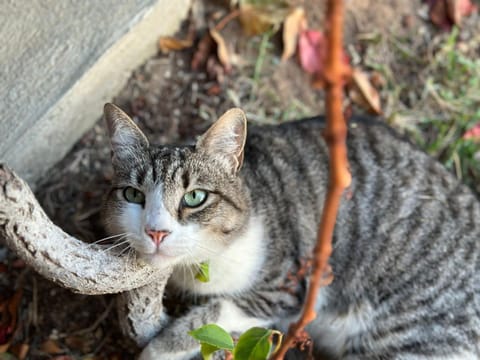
59,257
339,176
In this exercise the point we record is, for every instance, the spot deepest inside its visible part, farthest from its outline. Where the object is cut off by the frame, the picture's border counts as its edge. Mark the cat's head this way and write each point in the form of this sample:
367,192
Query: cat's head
177,204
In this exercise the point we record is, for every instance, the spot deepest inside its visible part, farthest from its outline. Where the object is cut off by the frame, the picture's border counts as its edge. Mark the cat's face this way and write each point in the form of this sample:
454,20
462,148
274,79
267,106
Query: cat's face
177,204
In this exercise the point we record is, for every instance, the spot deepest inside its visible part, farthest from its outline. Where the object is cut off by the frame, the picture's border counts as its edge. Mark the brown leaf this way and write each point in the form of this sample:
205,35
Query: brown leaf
446,13
168,43
20,350
222,50
363,93
8,319
294,24
259,18
215,70
81,343
51,347
204,49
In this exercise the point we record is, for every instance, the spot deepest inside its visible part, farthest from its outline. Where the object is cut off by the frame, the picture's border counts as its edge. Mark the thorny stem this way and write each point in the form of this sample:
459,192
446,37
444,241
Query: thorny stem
339,178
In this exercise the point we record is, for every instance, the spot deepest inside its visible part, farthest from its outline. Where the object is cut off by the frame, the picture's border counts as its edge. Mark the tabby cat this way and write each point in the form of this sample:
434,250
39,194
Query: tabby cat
406,256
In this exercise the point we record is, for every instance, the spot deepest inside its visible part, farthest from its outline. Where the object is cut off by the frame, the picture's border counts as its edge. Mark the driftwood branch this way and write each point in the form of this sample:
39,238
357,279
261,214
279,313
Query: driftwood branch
141,312
339,176
59,257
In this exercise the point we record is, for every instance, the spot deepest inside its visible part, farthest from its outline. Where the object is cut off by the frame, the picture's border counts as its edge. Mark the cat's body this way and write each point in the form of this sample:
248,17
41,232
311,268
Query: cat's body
406,256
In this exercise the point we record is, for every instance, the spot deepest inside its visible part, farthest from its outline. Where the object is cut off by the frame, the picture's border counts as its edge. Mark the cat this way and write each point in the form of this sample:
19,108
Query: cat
406,257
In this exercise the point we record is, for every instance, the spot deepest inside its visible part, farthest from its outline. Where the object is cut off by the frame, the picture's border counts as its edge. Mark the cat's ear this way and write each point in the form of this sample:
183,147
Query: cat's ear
225,140
125,136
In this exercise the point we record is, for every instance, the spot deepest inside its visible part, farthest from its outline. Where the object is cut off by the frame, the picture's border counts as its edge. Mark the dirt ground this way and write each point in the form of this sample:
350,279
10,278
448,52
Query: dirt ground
173,104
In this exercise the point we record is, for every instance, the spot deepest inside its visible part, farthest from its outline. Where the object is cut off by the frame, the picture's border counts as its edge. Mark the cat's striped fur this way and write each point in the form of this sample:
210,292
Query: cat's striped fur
406,253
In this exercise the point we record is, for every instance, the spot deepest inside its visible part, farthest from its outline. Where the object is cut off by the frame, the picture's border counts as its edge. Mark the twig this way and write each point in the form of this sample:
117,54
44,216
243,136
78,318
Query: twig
97,322
229,17
339,178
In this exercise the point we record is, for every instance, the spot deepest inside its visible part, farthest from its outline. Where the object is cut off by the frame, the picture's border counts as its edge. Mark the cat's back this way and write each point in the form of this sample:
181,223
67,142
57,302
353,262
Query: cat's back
407,237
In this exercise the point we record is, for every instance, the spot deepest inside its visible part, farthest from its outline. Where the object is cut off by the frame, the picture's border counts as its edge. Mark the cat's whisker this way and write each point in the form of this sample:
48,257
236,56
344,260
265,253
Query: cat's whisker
107,238
116,245
129,247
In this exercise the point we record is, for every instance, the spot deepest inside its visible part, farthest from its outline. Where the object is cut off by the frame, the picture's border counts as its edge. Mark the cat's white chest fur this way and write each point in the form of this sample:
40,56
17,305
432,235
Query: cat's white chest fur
233,270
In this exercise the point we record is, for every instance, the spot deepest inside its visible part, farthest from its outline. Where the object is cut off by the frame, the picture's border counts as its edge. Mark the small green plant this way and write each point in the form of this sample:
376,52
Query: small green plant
454,85
255,344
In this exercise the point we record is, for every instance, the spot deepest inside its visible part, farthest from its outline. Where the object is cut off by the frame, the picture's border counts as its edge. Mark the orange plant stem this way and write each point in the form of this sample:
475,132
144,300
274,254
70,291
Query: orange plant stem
339,176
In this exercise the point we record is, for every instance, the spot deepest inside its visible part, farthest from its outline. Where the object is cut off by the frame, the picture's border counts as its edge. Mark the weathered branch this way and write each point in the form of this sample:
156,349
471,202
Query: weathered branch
59,257
339,176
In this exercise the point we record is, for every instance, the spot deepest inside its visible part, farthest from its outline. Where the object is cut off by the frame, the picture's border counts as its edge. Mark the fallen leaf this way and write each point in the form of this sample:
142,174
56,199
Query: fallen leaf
259,18
51,347
473,133
204,49
20,351
168,43
214,90
293,25
215,70
446,13
312,51
83,344
8,319
363,93
222,50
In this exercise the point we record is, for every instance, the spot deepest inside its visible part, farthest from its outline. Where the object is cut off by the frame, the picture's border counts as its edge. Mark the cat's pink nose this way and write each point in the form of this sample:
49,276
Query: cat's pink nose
157,236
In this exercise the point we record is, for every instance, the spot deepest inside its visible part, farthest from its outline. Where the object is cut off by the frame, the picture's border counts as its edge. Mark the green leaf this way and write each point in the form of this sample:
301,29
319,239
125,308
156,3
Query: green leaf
203,273
213,335
255,344
207,350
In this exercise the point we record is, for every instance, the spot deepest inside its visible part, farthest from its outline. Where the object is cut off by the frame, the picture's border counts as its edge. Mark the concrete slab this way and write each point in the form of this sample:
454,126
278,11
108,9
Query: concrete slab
60,61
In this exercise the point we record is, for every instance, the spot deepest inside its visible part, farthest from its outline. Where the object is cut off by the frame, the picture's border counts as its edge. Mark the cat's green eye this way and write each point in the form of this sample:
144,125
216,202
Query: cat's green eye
133,195
194,198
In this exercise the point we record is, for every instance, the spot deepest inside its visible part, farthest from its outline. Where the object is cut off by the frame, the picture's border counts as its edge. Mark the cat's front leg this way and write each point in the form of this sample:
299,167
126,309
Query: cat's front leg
174,343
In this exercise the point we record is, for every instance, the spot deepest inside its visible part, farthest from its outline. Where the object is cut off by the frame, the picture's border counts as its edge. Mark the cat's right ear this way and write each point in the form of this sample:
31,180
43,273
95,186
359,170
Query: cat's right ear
125,136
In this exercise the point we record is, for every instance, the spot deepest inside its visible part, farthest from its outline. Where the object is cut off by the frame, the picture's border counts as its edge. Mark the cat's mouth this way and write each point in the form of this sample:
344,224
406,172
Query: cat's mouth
158,258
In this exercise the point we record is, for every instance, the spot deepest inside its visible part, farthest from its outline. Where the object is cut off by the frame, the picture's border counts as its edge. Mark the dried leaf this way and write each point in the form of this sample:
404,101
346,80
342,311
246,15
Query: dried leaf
51,347
168,43
259,18
8,319
294,24
84,344
446,13
222,50
204,49
215,70
312,51
363,93
20,351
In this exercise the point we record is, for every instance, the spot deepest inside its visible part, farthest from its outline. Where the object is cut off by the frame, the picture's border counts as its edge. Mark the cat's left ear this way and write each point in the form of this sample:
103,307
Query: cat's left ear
225,139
